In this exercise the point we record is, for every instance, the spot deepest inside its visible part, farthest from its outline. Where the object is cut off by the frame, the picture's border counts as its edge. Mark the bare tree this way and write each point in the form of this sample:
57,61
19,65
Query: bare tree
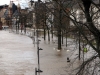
90,10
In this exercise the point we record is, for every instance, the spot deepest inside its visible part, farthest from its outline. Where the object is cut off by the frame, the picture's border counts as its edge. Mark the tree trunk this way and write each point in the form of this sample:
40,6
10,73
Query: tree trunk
66,38
59,29
79,47
95,32
62,36
52,32
59,38
48,35
44,34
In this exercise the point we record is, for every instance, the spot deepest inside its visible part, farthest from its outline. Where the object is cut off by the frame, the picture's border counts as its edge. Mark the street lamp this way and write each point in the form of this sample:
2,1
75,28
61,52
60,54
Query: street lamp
38,49
37,70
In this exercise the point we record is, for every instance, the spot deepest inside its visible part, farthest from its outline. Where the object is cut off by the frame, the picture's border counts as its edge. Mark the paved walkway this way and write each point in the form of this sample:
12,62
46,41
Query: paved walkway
18,56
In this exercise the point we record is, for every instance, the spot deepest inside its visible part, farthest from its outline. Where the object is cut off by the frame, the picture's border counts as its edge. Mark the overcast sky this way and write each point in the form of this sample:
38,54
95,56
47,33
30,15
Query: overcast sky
23,3
2,2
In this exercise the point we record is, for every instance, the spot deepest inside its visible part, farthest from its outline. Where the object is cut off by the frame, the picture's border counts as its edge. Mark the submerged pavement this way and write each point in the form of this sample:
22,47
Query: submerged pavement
18,56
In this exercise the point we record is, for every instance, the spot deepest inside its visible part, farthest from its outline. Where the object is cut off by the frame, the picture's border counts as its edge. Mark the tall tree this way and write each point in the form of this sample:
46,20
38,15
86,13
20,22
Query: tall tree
90,25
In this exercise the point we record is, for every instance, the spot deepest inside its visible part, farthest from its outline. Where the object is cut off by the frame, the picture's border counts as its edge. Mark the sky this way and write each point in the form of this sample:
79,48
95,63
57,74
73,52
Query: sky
23,3
2,2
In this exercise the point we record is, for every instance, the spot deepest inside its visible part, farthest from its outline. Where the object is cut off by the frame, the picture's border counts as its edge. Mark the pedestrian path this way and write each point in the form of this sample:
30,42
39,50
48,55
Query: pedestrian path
17,54
53,61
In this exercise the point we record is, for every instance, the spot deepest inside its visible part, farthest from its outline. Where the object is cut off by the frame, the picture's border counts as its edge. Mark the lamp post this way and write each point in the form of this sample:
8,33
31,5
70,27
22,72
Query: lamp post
79,47
38,49
37,70
78,12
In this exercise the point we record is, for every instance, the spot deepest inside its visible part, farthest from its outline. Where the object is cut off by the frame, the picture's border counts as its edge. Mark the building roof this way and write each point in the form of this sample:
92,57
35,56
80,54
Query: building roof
2,6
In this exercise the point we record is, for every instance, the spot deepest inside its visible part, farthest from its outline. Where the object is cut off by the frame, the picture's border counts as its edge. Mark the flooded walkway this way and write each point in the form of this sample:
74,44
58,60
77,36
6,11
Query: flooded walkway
17,54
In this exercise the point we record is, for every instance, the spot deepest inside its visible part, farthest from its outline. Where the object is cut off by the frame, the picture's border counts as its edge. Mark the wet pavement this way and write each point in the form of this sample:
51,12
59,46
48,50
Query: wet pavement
18,56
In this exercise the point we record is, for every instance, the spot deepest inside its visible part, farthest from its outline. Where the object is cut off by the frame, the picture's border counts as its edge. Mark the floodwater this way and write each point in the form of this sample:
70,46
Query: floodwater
18,55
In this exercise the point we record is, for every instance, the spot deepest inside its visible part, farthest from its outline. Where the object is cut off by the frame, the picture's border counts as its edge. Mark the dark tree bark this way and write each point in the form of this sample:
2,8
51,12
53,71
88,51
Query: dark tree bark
59,29
91,26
